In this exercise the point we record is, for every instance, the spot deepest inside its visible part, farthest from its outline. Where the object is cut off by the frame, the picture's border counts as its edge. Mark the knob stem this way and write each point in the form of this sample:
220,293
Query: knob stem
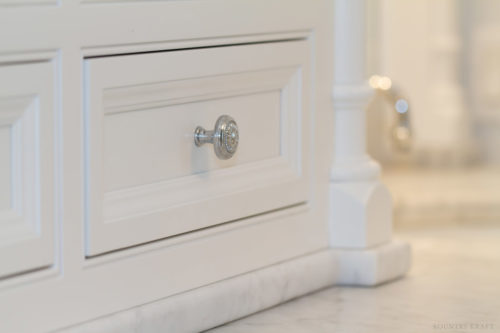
202,136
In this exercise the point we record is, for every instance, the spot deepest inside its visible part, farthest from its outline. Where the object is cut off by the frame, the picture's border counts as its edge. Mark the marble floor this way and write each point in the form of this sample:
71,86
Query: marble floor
423,196
453,286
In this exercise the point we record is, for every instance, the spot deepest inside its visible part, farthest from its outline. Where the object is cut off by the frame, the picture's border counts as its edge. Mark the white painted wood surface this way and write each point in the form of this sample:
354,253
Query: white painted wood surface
27,166
75,35
146,178
74,289
361,206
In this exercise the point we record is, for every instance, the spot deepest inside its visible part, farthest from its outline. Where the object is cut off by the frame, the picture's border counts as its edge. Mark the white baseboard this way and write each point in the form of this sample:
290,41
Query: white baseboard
239,296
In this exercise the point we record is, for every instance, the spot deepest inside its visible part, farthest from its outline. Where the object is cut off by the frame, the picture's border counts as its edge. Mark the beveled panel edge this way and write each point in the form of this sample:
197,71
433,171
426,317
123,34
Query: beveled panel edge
90,52
166,93
31,101
27,3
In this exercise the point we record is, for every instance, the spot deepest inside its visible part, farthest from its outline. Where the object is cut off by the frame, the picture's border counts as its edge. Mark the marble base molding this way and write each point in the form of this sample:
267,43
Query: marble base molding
227,300
373,266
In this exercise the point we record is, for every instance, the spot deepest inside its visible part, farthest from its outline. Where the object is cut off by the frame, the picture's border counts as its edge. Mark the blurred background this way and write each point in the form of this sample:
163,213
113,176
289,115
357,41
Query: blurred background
436,67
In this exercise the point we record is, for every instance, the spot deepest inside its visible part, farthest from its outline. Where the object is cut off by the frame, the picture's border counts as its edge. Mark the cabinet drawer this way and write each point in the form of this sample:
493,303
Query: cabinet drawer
145,177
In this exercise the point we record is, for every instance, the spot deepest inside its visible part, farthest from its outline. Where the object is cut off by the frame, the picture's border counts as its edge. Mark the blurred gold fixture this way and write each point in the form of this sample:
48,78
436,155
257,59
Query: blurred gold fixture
401,130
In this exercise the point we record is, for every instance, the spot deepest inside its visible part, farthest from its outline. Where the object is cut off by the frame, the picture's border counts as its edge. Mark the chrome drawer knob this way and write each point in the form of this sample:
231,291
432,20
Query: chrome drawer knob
224,137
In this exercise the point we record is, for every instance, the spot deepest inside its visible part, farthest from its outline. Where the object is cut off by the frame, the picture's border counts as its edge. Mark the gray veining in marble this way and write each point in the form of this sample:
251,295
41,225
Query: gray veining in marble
453,286
222,301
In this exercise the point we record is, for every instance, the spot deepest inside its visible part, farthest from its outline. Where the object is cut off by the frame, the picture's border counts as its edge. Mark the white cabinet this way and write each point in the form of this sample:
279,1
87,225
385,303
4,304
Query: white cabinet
27,109
107,206
106,203
146,179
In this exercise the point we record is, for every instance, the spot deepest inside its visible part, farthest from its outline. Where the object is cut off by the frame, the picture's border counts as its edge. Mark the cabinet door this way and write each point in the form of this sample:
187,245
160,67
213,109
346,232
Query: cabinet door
26,167
146,179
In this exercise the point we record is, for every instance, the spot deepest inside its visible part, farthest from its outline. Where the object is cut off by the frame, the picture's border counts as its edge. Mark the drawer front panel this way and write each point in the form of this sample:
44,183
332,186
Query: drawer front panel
146,179
154,145
26,167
